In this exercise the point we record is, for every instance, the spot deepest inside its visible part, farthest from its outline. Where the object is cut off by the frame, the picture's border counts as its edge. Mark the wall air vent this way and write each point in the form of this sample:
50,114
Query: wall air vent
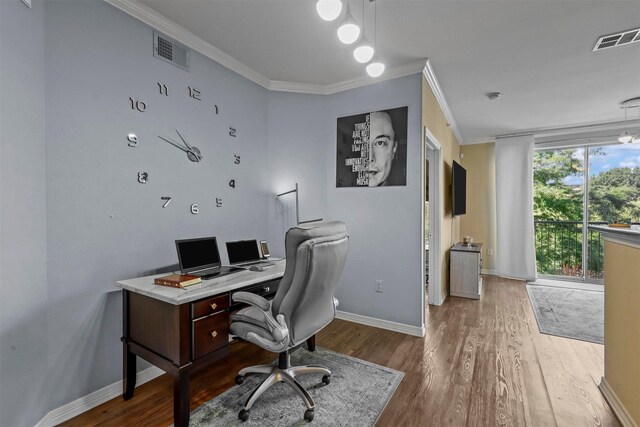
619,39
170,51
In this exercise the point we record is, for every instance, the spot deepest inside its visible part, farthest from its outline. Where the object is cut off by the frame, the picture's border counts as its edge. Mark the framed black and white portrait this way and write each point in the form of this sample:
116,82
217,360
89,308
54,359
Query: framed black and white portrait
372,149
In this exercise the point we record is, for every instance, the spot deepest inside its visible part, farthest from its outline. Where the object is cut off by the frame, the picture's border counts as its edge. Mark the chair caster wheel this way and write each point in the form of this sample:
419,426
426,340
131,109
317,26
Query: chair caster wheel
326,379
243,415
239,379
308,415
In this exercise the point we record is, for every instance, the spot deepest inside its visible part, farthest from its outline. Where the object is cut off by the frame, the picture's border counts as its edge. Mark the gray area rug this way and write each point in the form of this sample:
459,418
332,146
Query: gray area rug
356,396
569,313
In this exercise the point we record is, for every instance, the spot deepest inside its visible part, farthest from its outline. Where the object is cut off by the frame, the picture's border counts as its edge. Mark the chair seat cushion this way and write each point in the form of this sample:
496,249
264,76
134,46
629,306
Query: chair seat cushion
241,329
250,314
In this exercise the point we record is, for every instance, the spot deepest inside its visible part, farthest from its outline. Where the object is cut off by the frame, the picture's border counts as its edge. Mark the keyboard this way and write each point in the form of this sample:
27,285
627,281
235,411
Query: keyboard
222,271
260,263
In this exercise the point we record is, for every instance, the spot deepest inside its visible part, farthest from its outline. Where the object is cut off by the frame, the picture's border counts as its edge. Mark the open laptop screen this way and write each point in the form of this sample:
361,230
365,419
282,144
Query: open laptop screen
243,251
197,254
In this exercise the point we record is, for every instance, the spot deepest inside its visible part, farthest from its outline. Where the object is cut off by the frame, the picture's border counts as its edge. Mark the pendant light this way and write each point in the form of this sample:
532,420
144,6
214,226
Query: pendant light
625,137
349,31
329,10
375,68
364,52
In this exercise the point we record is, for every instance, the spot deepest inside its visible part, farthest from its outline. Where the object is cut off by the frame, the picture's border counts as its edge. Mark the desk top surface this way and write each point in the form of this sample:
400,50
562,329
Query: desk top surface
207,288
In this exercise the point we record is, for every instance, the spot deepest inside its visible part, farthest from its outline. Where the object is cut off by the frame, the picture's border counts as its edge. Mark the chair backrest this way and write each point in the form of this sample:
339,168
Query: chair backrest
316,254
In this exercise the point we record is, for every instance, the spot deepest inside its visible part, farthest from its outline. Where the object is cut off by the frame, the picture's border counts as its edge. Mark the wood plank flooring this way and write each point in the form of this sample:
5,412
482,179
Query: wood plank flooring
481,363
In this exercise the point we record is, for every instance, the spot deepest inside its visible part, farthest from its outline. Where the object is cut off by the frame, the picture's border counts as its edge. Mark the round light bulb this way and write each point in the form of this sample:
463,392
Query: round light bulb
329,9
375,69
348,32
363,53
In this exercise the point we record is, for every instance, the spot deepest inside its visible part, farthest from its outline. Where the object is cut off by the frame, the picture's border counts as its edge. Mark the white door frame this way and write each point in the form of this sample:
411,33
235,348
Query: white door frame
433,153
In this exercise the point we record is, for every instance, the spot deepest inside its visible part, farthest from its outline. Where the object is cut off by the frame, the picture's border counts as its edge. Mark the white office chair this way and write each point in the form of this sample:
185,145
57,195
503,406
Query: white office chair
303,305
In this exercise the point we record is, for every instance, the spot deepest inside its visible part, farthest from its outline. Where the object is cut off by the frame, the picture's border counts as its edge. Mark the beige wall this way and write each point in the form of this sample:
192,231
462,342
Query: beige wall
434,119
480,219
622,324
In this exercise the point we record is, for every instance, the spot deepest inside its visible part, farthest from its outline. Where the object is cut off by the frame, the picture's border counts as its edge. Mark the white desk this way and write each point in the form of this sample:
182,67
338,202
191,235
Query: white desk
214,286
182,330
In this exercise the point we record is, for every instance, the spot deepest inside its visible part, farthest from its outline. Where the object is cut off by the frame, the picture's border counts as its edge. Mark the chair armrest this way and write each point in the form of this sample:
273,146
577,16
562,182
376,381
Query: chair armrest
252,299
277,326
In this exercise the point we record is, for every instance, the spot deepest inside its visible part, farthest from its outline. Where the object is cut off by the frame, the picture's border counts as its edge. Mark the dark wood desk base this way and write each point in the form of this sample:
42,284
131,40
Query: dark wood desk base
166,336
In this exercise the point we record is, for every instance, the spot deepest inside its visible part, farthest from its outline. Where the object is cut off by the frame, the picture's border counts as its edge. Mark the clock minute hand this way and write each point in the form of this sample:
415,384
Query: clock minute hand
183,140
175,144
198,156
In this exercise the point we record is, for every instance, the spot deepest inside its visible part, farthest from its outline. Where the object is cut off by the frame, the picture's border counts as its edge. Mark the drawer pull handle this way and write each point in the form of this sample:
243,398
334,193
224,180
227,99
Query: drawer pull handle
214,306
266,289
213,334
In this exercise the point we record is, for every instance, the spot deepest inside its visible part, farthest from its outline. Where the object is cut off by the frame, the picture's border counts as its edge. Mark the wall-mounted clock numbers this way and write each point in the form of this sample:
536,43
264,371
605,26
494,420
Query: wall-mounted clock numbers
194,93
164,90
138,105
133,140
193,153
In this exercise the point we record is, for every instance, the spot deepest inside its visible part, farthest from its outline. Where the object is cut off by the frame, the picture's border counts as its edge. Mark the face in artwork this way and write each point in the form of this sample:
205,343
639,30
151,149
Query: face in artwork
383,148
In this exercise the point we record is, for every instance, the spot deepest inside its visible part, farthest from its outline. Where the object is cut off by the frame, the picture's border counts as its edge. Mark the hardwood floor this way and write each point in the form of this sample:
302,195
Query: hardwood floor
481,363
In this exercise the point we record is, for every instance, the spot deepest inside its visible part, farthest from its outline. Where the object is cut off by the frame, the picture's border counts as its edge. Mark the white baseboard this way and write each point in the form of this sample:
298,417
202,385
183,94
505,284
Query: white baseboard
98,397
616,406
487,271
382,324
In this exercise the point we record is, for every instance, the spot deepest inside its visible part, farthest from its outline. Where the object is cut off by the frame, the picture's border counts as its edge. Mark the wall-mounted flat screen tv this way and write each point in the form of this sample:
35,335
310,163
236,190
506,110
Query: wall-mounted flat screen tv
459,189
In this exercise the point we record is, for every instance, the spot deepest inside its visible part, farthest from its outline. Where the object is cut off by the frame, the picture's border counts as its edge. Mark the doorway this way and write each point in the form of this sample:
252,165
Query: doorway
431,215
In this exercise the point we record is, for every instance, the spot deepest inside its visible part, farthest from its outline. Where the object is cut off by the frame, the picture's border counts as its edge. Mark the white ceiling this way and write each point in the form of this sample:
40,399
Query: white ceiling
538,53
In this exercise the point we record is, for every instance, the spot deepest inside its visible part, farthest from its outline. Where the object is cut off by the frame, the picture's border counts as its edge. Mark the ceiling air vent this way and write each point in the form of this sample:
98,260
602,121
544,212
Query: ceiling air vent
619,39
170,51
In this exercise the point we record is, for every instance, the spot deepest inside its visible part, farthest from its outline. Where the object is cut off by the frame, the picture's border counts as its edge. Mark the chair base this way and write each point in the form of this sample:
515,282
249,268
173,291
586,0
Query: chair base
282,372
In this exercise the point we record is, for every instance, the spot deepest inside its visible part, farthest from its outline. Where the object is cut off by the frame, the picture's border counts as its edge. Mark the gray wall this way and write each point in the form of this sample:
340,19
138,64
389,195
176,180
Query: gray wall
23,235
102,224
384,222
74,219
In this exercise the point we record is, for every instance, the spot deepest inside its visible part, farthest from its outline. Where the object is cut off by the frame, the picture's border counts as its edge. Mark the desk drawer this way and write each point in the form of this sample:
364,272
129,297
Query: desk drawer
209,306
210,333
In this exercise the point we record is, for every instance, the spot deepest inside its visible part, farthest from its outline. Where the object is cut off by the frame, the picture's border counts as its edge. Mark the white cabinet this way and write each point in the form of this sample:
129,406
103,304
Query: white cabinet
466,267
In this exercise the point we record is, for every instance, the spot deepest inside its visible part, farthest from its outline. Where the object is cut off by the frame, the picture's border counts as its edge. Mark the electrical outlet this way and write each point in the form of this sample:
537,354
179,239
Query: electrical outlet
379,286
490,252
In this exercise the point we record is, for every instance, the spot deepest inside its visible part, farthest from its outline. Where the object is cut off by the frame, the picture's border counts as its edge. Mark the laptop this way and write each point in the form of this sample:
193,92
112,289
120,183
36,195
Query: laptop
200,257
245,253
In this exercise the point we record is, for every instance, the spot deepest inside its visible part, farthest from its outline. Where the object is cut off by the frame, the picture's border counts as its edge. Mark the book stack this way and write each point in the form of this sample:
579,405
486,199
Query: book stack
177,280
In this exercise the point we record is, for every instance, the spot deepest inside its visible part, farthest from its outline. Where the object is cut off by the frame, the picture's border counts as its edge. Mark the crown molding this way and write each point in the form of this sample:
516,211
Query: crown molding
173,30
157,21
481,140
430,76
